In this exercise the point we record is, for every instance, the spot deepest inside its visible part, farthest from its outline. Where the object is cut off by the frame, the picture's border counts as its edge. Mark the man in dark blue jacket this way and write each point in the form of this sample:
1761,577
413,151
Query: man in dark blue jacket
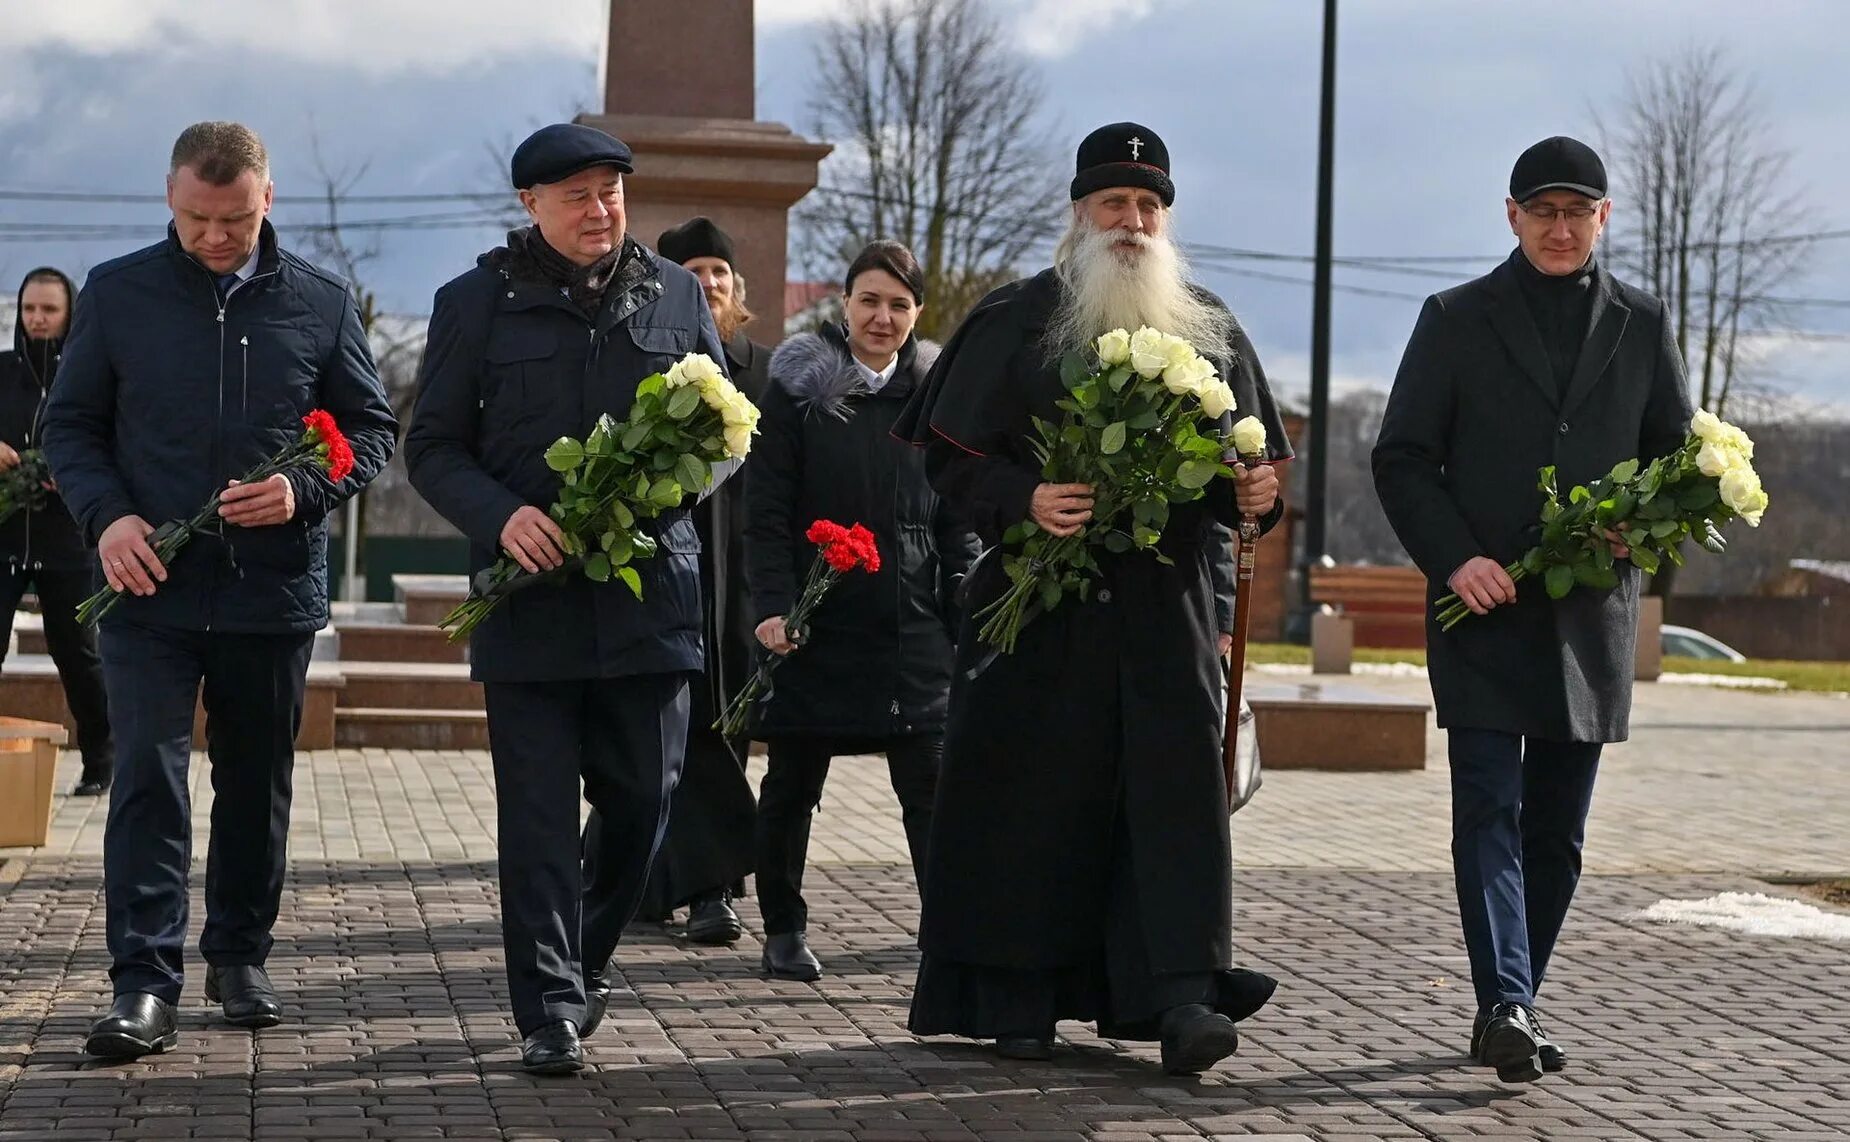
188,363
583,680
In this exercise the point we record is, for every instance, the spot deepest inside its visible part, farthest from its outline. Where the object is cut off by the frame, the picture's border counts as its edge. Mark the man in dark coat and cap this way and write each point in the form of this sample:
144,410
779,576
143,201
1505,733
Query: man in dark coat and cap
707,851
584,681
1080,863
41,545
1548,360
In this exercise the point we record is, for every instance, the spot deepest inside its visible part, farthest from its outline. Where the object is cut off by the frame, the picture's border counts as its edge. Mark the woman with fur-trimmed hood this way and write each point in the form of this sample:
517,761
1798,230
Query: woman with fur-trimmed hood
874,671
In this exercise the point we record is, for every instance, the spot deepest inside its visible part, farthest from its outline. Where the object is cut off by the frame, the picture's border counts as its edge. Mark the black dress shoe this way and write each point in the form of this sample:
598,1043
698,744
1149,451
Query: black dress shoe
553,1050
1510,1044
787,956
1554,1059
137,1024
91,785
1195,1037
246,995
711,920
597,999
1035,1047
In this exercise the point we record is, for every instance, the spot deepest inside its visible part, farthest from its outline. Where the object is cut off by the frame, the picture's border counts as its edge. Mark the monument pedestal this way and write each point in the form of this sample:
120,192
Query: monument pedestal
680,89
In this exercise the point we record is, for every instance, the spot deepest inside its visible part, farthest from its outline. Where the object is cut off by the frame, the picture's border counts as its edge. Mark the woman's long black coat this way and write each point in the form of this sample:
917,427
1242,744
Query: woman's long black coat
1106,707
877,656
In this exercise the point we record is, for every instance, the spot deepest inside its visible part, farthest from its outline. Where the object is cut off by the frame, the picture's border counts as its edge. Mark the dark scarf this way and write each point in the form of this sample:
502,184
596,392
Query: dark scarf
585,286
1562,308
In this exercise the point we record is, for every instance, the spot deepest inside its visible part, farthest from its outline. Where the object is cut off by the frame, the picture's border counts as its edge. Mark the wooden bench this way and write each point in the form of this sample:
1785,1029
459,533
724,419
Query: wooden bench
1320,725
28,765
1386,604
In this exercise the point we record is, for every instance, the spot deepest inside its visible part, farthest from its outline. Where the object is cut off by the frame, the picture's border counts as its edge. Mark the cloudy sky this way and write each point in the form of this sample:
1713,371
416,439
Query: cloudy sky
1435,99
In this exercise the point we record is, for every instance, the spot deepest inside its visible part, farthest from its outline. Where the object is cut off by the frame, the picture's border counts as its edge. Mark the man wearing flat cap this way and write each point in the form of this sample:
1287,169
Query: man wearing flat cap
1079,864
584,681
707,853
1548,360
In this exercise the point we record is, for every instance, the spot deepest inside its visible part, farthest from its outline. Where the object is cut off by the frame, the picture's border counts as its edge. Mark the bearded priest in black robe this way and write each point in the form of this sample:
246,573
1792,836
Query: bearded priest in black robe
1080,865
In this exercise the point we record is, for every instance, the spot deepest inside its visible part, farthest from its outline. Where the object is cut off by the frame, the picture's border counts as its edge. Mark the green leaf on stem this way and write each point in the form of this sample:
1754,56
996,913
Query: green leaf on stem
597,568
1559,581
565,454
1111,442
631,579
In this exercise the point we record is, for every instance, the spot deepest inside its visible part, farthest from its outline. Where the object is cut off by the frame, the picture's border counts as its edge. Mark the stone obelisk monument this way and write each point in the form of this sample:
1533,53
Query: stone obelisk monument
679,89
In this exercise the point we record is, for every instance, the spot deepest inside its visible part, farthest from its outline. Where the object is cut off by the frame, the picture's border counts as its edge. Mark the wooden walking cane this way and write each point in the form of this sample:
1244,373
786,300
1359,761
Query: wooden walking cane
1245,550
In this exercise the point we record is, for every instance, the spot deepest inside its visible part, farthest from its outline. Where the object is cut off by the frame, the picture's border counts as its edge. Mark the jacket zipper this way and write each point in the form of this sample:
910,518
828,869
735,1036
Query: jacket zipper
218,435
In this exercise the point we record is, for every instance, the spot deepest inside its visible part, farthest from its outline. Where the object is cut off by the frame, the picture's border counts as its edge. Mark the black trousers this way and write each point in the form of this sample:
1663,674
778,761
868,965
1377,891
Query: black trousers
73,650
1519,817
624,738
253,686
790,792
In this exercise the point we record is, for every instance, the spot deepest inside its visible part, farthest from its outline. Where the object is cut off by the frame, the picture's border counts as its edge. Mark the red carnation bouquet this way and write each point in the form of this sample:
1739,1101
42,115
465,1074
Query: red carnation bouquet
839,550
321,444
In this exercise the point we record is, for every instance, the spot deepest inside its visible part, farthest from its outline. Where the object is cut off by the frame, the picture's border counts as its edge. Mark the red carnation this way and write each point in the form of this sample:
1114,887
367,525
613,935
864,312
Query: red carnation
862,541
324,431
824,532
841,556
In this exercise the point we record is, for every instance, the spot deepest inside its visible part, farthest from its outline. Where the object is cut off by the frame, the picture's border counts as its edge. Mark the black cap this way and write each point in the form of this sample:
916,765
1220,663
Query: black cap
1559,163
562,150
695,238
1123,154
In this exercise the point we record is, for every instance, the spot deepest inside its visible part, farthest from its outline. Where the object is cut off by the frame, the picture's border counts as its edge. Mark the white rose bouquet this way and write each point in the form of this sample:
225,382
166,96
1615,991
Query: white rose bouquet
681,424
1134,431
1690,494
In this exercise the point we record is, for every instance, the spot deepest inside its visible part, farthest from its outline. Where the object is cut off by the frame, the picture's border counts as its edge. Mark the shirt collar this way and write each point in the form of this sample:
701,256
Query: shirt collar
877,381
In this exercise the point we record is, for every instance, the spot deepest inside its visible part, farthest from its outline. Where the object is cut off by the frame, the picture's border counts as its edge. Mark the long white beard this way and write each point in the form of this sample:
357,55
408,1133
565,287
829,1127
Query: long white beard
1107,288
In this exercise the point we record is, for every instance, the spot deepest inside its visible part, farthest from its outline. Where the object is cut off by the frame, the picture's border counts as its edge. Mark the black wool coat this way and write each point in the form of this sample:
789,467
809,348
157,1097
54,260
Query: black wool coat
510,366
1107,708
720,521
877,659
1473,416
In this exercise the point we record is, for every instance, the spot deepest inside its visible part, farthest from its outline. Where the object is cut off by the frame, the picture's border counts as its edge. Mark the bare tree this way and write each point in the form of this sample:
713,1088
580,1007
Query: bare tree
1711,222
938,146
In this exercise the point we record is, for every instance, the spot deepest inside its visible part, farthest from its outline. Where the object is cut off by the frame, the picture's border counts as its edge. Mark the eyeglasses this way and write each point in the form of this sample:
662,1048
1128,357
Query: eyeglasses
1545,213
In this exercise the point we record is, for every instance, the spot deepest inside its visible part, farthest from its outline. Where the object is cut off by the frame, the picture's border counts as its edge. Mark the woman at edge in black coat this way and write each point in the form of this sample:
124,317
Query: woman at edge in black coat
874,671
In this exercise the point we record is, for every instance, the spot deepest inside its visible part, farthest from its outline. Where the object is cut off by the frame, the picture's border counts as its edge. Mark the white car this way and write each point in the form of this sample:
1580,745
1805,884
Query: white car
1687,642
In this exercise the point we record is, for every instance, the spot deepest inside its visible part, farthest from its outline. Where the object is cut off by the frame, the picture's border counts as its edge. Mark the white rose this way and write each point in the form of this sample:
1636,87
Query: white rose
1114,348
1754,507
1740,488
1190,377
695,369
738,440
1705,425
1249,436
1715,458
1738,440
1149,353
1217,399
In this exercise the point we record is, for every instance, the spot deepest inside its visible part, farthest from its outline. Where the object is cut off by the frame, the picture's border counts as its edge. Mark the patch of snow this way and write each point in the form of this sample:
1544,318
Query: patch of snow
1730,681
1753,914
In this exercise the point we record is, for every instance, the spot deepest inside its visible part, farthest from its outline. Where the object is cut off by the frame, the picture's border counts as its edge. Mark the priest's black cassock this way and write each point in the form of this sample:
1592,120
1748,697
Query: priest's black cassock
1080,860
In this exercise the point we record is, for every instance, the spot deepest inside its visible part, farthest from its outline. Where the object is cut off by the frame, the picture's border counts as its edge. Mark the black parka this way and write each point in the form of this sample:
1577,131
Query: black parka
877,655
168,390
44,536
511,365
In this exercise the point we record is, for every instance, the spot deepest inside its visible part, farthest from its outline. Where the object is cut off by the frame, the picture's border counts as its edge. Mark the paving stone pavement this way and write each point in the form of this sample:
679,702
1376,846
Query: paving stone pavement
389,954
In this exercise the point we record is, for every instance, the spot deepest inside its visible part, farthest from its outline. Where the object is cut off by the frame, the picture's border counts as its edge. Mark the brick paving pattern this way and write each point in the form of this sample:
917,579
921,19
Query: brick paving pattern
388,956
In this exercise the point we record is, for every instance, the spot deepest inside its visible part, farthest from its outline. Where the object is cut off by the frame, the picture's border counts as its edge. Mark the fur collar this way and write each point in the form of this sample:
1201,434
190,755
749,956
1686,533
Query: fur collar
818,370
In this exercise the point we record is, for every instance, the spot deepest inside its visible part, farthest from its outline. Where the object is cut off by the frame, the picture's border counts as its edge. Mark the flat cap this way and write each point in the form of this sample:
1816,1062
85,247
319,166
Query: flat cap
562,150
